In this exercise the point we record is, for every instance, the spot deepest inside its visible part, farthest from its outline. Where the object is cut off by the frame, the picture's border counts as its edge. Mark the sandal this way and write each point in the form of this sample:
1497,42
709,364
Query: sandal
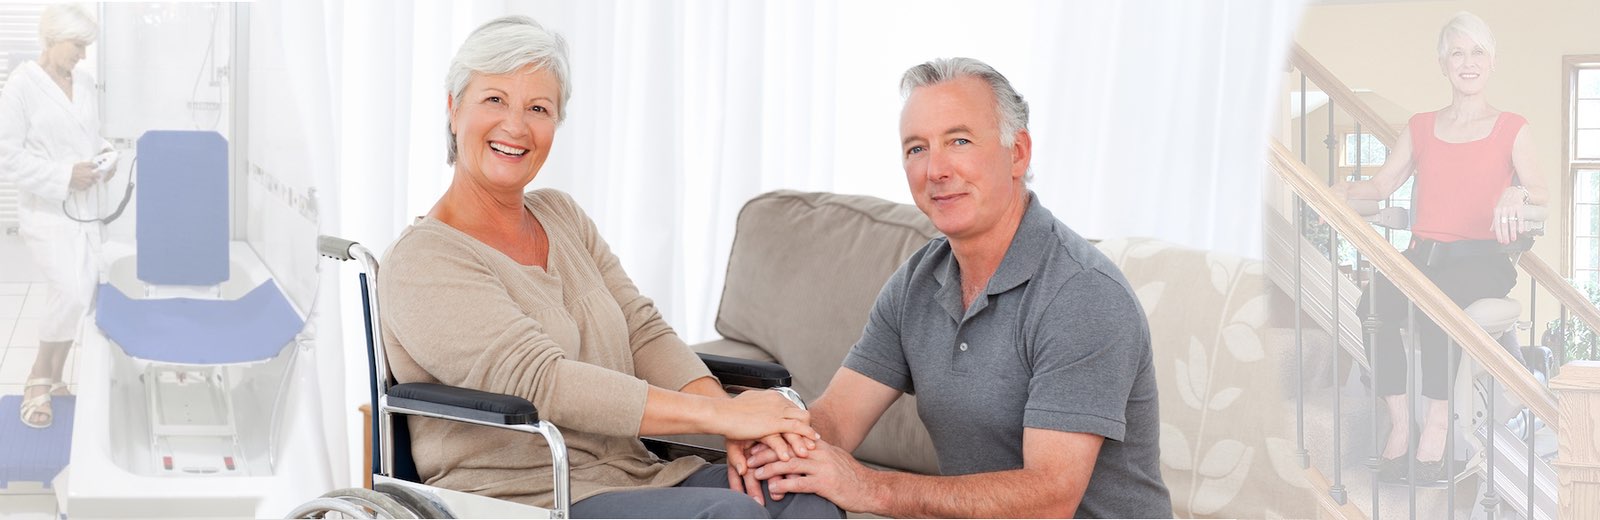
39,404
59,388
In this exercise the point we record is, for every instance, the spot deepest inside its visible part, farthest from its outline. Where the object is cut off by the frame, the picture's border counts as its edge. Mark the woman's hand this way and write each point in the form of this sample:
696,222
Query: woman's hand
763,415
83,176
1509,219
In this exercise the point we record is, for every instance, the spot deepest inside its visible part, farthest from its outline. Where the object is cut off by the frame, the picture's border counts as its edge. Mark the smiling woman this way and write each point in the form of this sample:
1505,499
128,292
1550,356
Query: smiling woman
516,293
1475,179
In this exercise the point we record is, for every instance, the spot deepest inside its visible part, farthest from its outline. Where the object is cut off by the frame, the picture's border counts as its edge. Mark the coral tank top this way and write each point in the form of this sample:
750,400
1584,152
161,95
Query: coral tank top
1458,184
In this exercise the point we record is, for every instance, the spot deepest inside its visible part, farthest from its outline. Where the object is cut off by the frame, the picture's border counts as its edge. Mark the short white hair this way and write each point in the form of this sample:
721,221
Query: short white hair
1468,25
68,22
502,46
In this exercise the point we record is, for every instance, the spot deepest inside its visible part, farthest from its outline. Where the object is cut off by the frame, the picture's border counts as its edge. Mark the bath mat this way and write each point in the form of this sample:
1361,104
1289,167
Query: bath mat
29,454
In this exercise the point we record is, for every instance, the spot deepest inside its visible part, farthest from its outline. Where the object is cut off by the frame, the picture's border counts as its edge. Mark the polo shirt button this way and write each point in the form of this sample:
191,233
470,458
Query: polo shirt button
963,346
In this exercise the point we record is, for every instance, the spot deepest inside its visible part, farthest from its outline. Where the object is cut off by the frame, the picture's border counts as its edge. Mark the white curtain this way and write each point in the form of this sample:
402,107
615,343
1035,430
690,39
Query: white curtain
1149,117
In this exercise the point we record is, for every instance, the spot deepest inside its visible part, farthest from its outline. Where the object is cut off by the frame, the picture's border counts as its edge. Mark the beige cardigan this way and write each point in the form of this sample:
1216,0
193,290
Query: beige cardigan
578,340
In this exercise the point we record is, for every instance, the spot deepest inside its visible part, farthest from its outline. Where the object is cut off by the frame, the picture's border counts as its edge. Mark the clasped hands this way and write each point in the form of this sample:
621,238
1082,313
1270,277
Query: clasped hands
794,462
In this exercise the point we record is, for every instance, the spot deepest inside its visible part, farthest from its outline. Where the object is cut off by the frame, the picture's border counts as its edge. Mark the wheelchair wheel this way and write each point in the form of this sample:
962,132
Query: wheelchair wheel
354,503
413,500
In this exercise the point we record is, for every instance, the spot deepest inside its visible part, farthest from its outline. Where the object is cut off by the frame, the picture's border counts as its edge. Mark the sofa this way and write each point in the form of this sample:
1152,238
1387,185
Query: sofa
805,269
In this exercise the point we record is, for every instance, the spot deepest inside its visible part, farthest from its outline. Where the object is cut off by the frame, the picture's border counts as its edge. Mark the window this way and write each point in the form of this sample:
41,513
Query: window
1583,80
1371,152
1586,113
1586,226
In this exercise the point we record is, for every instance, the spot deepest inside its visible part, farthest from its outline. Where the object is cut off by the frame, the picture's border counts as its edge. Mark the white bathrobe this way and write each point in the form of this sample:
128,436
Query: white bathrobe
42,135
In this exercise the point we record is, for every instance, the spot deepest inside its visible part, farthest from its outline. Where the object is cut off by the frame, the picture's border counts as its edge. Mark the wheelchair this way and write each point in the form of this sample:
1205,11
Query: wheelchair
397,491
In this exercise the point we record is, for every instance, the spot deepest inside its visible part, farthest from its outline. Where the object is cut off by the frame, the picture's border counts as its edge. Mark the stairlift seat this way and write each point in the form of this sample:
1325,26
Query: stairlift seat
1495,315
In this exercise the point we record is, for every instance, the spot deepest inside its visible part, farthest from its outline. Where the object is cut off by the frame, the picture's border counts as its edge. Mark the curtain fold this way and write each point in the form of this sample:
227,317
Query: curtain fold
1148,116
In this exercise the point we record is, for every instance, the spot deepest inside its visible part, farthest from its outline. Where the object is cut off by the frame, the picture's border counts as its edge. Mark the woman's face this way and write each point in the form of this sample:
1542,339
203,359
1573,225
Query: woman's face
64,55
1467,64
504,125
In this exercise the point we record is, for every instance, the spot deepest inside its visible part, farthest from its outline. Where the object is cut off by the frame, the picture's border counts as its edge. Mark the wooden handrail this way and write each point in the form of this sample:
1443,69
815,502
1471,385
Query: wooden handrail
1342,95
1563,291
1416,287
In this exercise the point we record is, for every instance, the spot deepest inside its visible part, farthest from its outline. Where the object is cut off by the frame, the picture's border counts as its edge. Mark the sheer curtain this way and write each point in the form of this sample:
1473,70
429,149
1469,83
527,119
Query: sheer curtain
1149,117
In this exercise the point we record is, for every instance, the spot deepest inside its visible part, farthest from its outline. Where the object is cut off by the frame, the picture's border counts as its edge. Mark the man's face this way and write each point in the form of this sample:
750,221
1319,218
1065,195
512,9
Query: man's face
960,174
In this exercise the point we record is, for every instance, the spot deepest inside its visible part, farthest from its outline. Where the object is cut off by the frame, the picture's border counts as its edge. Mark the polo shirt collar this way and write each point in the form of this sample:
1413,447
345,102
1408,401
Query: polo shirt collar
1027,248
1034,234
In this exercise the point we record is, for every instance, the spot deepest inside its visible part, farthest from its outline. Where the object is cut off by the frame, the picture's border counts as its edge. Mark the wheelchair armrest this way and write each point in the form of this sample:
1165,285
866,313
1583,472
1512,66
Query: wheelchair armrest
1364,207
747,373
464,403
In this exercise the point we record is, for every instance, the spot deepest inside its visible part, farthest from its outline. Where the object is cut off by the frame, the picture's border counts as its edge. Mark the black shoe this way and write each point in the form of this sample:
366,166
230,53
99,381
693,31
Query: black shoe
1393,470
1431,472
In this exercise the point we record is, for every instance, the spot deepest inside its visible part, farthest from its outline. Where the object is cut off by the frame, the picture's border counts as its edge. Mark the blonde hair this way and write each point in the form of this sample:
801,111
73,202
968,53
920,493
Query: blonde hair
67,22
1468,25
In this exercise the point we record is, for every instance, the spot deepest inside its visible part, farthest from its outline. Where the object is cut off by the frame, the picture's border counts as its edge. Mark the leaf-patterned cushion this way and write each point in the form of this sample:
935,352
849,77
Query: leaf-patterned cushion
1227,440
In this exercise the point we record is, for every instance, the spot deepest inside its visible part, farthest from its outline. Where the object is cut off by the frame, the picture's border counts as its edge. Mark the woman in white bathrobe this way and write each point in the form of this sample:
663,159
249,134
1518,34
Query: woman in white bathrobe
49,135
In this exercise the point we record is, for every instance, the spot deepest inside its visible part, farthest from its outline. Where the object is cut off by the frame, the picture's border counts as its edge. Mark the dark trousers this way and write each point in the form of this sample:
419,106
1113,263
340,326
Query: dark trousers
1464,279
704,494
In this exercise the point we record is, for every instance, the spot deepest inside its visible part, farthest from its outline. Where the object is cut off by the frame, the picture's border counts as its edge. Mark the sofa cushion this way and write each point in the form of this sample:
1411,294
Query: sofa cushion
803,274
1227,449
738,349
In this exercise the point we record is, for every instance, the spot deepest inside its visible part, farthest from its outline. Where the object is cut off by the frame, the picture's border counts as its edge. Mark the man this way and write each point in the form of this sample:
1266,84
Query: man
1026,349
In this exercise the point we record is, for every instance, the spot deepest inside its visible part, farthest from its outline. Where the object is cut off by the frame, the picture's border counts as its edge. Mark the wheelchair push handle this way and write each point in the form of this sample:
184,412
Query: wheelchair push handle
335,247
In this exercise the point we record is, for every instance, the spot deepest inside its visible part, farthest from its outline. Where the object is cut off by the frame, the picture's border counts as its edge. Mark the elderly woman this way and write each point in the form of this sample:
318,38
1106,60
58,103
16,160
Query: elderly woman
49,133
517,293
1475,176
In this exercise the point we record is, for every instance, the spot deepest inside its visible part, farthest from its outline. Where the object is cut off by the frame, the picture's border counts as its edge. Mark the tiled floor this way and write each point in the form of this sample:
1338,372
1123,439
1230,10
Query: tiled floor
21,305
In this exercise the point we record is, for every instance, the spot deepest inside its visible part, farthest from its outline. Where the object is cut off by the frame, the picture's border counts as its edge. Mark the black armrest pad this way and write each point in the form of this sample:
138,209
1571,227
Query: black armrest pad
464,403
746,372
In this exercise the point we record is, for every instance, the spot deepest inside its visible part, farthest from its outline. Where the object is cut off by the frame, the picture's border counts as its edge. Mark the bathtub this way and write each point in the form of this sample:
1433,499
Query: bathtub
115,469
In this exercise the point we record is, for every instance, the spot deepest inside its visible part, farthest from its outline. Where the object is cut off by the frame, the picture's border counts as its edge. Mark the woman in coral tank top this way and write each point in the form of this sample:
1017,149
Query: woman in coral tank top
1475,177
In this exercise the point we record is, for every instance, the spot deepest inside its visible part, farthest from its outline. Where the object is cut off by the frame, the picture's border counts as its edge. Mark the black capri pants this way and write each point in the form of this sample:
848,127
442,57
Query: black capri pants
1464,279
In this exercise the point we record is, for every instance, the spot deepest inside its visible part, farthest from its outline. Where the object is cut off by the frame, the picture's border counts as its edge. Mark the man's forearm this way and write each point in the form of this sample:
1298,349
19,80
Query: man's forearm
1006,494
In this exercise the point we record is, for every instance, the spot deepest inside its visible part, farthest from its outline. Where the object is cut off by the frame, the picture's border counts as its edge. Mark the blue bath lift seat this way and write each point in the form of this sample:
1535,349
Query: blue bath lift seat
192,349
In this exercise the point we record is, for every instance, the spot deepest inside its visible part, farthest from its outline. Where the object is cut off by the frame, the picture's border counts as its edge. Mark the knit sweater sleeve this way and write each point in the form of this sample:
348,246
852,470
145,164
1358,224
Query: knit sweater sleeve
659,355
451,318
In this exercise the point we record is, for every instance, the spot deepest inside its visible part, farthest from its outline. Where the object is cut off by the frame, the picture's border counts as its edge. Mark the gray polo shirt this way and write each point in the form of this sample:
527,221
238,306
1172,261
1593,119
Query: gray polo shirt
1057,341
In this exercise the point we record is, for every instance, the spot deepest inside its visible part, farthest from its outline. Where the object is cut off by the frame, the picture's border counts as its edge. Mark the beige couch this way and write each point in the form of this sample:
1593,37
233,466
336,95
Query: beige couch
806,267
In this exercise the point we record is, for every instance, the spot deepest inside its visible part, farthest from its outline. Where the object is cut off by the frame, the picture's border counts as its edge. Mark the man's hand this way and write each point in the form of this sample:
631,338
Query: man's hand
828,471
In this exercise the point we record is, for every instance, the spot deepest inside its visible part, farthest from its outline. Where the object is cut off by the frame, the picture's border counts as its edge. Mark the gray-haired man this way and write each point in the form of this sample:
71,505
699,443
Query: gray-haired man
1027,351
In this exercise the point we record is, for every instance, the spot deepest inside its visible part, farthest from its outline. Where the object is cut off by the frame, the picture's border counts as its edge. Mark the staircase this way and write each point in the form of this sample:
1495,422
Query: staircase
1335,399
